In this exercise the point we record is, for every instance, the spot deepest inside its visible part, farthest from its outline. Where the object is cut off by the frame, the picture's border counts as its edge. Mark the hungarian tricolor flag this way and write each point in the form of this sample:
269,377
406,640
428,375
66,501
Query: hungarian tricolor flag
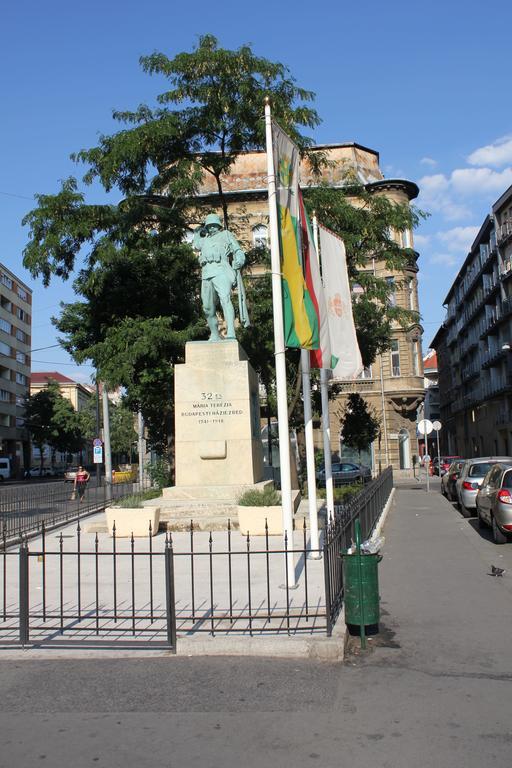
301,327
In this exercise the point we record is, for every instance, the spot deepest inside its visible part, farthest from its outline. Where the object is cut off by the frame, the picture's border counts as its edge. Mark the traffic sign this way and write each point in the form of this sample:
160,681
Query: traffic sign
425,427
98,454
97,441
436,425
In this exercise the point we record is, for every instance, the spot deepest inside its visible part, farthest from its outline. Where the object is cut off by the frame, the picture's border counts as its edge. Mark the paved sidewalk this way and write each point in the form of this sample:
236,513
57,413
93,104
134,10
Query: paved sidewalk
439,605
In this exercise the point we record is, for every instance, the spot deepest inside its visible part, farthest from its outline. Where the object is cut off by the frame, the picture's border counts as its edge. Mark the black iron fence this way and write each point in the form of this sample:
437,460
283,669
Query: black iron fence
24,508
339,534
76,587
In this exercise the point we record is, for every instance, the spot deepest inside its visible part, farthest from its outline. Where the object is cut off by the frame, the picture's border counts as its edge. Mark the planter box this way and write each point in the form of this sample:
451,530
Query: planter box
252,520
134,520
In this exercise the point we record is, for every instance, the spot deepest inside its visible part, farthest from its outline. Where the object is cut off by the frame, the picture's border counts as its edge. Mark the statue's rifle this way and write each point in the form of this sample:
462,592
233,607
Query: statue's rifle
242,301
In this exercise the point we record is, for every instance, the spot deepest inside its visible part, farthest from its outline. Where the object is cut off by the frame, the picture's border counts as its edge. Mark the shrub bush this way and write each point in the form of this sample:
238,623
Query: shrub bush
135,499
269,497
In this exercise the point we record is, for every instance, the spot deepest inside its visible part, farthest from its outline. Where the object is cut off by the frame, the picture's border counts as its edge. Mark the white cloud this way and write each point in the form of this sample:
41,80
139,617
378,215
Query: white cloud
470,181
446,259
458,238
495,154
428,161
421,240
436,194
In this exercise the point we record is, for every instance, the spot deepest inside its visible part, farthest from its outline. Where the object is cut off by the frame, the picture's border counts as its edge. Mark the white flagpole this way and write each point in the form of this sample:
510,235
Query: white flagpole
279,347
326,426
310,451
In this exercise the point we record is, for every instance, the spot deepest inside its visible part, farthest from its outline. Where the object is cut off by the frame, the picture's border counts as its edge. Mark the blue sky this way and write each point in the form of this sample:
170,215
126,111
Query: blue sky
427,85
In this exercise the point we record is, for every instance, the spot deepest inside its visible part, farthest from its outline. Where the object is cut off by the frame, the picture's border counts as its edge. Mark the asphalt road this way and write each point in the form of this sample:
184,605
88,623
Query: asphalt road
434,690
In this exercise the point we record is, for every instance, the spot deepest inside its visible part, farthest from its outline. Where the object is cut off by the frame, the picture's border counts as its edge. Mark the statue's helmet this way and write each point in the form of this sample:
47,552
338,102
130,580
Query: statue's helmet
213,219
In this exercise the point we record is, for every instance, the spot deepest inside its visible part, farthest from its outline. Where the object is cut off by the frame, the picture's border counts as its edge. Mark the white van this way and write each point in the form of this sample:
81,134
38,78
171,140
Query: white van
5,469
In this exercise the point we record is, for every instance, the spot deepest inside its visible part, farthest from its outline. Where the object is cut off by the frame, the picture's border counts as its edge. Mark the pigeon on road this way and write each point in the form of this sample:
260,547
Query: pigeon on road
495,571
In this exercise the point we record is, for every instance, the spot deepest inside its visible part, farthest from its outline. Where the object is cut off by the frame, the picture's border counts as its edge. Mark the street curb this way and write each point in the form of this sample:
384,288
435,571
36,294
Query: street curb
314,648
383,515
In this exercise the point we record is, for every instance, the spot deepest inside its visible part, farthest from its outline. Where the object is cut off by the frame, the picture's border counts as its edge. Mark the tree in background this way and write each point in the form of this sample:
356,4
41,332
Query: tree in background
138,286
122,427
360,426
51,420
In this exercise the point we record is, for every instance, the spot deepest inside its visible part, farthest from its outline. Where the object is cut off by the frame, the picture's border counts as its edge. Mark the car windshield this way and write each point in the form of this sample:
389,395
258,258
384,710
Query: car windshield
480,470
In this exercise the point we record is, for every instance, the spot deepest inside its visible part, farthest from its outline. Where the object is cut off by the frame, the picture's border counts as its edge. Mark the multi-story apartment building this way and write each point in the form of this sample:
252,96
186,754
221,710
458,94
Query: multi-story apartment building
393,386
15,340
474,344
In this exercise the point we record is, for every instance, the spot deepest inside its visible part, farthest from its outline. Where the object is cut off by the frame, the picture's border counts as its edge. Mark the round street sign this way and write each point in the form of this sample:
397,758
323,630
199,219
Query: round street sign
425,427
97,441
436,425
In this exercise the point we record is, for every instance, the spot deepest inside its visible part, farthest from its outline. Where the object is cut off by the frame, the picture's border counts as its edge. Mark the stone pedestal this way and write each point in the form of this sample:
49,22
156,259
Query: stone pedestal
218,437
219,454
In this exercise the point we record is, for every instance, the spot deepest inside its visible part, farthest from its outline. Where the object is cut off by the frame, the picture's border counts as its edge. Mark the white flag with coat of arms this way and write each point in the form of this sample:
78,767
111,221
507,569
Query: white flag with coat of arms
342,330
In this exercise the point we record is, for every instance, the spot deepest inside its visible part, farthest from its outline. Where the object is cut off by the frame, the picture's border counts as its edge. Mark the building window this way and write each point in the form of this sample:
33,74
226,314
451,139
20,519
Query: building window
395,358
5,349
21,357
410,292
22,293
406,239
21,379
5,326
391,291
20,422
6,280
21,314
21,335
260,236
366,373
415,358
5,396
5,304
20,401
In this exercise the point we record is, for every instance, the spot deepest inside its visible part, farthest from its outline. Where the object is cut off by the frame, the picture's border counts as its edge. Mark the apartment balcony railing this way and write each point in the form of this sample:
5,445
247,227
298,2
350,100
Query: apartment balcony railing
470,371
492,357
504,232
502,418
497,387
452,335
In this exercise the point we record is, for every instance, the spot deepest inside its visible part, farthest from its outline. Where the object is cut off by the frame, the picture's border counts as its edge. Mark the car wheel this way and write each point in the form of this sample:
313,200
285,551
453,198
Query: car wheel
465,511
498,536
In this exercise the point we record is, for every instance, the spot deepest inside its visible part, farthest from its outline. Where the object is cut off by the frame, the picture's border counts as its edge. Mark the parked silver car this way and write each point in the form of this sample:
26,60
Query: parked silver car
494,501
471,478
449,479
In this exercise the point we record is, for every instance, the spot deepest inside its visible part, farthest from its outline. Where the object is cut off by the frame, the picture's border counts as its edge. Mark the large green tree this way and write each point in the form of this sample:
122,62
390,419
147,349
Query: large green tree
137,285
360,426
122,426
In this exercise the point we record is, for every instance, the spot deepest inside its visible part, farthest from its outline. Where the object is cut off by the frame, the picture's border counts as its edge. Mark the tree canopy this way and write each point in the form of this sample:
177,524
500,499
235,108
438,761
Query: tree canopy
51,420
360,426
137,284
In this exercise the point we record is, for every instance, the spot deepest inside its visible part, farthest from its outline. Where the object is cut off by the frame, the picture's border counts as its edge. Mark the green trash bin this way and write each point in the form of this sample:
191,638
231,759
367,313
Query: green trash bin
369,591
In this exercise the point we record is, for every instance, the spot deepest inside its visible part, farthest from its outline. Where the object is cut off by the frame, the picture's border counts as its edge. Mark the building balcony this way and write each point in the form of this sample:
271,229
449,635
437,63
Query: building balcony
470,371
502,418
489,359
504,233
494,388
